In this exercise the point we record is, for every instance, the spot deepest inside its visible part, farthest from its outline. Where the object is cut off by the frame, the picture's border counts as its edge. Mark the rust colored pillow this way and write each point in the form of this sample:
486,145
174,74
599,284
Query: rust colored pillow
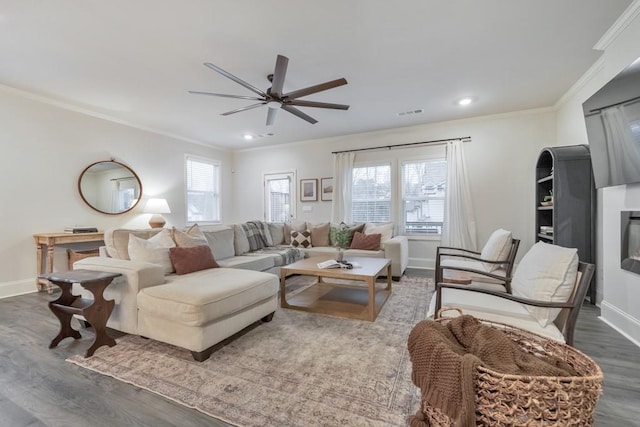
195,258
369,242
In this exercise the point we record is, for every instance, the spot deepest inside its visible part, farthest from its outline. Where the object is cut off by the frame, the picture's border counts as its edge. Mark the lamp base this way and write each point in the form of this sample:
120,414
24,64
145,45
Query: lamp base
157,221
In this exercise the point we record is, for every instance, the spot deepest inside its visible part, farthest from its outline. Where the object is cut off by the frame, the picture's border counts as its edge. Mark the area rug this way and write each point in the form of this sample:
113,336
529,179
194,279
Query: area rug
301,369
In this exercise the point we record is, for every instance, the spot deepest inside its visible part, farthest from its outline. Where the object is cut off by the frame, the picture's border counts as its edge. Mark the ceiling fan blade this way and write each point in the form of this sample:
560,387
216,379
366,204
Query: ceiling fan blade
195,92
299,113
271,116
279,74
301,103
235,79
249,107
314,89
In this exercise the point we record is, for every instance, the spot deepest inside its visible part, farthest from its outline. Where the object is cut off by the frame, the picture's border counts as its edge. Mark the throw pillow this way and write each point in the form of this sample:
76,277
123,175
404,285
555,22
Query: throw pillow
292,226
221,241
194,258
301,239
192,237
385,231
319,234
370,242
154,250
497,248
546,273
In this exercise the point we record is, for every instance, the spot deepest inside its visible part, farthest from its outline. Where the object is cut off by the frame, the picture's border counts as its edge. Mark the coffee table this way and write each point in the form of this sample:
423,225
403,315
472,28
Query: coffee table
339,298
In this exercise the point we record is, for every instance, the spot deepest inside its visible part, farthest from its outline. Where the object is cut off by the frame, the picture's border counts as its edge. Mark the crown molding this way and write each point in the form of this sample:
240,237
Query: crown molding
619,26
77,109
581,82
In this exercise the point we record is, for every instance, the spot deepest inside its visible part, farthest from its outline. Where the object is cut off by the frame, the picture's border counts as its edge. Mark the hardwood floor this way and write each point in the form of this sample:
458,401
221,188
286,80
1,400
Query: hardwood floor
40,389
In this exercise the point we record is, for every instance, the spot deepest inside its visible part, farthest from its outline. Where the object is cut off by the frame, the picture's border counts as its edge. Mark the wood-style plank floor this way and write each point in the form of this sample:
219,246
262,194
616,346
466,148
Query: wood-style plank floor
38,388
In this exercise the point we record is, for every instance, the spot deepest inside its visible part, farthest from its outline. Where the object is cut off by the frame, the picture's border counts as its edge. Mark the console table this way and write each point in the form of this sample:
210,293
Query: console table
50,240
96,311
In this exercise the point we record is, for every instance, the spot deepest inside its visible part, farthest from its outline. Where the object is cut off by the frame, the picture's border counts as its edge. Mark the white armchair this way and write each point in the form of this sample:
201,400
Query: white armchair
548,289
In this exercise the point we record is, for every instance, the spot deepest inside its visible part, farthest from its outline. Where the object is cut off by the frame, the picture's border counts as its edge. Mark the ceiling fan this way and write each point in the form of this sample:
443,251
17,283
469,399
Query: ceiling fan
274,98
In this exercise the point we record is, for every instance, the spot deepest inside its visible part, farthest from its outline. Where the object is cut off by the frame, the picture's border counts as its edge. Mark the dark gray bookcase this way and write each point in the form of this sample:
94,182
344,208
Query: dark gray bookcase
565,174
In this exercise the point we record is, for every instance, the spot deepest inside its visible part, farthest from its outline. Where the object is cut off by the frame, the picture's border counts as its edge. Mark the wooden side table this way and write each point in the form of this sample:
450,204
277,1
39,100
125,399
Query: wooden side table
95,311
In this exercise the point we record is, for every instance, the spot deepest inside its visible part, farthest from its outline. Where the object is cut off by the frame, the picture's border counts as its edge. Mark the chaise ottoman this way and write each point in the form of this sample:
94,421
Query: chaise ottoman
198,310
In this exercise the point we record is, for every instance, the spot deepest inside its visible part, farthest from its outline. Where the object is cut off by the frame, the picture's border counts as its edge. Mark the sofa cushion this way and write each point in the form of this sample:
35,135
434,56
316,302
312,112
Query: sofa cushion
191,237
240,241
369,242
276,229
154,250
546,273
497,248
249,262
220,240
292,226
203,296
301,239
385,231
194,258
117,240
319,233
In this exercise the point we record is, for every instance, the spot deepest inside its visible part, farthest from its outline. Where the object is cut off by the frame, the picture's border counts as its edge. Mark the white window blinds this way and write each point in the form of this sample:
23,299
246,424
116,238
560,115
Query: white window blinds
423,190
371,193
202,189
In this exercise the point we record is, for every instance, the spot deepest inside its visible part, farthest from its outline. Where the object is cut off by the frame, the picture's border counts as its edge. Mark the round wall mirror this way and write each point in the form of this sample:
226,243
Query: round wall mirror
110,187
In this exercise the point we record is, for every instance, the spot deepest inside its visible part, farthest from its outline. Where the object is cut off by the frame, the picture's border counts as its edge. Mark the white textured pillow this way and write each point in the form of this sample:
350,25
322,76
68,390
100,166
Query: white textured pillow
546,273
385,231
154,250
496,249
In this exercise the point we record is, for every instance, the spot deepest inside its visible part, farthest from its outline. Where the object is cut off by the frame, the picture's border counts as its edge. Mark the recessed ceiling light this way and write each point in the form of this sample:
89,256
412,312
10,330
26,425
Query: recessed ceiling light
465,101
248,136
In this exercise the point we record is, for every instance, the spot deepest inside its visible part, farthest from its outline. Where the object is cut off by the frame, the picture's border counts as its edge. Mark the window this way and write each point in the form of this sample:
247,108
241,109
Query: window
371,194
423,190
278,190
203,189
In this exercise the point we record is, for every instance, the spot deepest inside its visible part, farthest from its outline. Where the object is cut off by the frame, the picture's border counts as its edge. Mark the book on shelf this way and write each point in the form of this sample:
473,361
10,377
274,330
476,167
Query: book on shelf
80,229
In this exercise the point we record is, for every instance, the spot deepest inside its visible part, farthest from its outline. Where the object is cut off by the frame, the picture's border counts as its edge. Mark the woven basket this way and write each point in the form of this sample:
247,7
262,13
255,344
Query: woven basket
516,400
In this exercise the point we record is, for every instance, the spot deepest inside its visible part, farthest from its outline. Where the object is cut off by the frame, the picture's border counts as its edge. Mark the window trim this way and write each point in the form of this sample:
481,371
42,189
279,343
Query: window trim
392,198
293,188
216,163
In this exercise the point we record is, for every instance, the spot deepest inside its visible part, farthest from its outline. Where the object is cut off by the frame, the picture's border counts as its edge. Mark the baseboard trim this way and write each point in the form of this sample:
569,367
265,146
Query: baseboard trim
17,287
622,322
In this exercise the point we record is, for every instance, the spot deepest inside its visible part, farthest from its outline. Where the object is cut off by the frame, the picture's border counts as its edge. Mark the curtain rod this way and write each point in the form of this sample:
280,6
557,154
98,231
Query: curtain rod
628,101
409,144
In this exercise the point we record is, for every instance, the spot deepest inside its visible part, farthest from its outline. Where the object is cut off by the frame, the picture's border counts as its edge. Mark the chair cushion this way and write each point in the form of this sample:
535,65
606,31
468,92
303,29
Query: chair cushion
461,276
497,248
489,307
546,273
154,250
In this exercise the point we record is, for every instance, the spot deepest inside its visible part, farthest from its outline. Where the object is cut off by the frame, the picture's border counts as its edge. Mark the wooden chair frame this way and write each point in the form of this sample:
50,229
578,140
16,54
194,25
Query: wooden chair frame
565,321
450,252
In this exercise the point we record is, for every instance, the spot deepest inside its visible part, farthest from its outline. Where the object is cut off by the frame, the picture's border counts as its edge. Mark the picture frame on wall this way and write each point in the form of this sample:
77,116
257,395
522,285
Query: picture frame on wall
308,190
326,189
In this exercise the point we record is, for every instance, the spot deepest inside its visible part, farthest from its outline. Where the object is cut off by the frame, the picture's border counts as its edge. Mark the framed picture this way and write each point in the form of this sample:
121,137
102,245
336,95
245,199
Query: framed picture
326,189
308,190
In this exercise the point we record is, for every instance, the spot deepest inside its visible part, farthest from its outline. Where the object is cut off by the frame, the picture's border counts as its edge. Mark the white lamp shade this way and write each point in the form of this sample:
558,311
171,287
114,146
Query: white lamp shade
157,206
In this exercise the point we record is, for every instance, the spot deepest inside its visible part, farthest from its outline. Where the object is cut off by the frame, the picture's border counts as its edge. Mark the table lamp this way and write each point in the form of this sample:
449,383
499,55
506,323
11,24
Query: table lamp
157,207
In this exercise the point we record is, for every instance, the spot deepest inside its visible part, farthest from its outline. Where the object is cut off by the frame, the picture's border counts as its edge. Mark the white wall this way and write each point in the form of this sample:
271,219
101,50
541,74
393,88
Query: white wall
618,290
44,150
501,160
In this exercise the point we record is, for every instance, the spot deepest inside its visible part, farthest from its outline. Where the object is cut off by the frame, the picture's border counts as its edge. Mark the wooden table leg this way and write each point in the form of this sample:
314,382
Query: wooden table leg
389,278
283,294
97,315
66,299
371,284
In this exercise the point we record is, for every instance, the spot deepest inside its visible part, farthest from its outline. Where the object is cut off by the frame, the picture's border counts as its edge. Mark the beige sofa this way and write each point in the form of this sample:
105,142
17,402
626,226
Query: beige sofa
199,309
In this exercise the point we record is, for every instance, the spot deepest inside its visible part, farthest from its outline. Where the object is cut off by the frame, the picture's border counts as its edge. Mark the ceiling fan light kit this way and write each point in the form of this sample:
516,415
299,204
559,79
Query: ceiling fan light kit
273,97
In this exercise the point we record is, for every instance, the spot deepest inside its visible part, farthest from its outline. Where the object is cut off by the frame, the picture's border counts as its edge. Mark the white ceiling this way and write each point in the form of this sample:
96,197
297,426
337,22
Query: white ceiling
136,60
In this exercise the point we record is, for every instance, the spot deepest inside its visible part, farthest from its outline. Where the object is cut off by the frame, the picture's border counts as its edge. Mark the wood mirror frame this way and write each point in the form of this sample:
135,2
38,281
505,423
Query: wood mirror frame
110,187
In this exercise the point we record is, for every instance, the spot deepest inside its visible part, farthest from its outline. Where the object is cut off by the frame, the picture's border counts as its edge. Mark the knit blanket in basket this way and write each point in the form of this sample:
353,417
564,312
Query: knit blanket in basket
445,357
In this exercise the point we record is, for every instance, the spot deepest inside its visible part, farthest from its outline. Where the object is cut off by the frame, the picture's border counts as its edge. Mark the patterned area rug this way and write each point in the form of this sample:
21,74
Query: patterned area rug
301,369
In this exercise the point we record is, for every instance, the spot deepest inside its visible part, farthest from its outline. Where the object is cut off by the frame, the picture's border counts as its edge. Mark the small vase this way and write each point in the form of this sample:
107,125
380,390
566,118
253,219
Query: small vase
340,254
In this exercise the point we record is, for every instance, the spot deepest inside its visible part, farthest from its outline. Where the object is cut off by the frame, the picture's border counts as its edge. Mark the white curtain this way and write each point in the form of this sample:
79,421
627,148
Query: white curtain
342,184
459,228
622,151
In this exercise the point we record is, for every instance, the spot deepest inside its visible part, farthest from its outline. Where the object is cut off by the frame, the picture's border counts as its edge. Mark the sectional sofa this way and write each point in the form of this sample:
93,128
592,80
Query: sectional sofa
202,306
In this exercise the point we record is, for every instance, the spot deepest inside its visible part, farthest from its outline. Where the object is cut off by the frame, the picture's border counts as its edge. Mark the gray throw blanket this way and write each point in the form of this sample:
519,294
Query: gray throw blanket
258,235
